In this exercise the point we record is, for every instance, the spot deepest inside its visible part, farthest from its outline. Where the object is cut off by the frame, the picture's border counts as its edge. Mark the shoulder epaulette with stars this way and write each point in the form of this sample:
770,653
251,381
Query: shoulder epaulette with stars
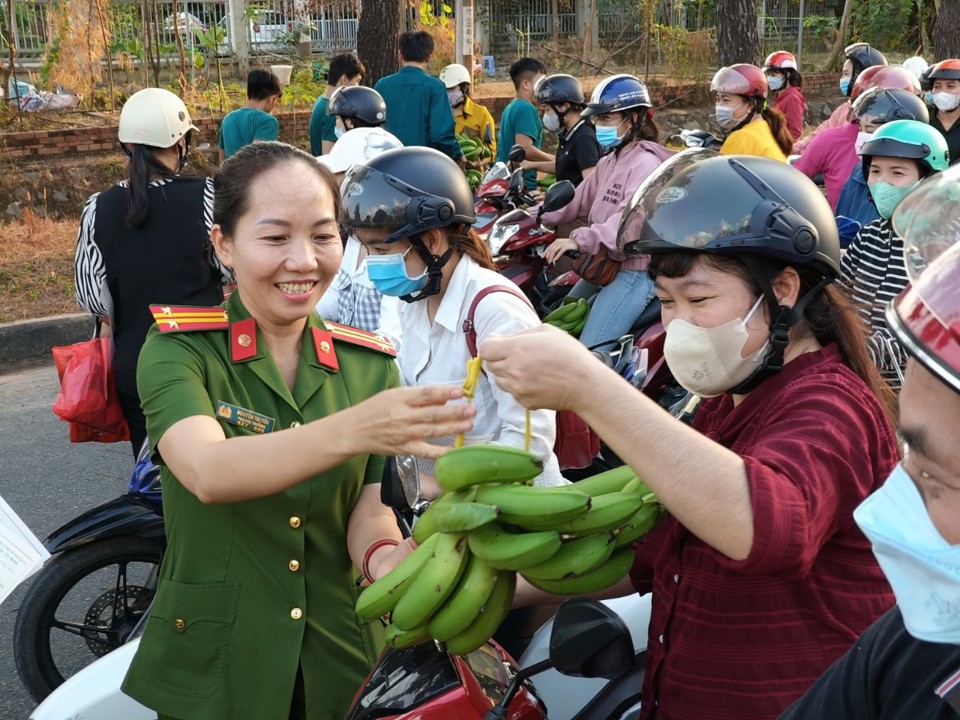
364,338
181,318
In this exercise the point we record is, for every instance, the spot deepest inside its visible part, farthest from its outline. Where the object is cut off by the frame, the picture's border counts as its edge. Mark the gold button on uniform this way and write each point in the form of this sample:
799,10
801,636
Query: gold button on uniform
294,522
294,565
244,340
179,623
295,424
296,613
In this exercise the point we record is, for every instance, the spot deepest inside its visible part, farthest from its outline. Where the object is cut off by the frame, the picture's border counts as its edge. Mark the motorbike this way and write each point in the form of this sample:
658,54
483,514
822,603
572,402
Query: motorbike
496,195
87,600
590,658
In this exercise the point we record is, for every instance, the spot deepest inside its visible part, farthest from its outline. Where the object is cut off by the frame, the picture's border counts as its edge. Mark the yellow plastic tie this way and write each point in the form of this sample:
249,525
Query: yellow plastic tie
474,366
526,432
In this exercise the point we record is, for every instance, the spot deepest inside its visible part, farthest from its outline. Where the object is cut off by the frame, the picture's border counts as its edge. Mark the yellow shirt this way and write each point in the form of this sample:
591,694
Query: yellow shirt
754,138
476,118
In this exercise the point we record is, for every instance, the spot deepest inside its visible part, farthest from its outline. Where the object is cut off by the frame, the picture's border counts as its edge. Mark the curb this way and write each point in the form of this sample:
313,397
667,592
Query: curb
29,339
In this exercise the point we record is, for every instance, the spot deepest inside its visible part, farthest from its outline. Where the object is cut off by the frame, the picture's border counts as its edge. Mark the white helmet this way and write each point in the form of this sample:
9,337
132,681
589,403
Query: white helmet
453,75
357,146
154,117
915,64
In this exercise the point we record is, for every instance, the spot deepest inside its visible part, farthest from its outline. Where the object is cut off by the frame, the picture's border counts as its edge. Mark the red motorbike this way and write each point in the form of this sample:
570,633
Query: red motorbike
496,194
518,241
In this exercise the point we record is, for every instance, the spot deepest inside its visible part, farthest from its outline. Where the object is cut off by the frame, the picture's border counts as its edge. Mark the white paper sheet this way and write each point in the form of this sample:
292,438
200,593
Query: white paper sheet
21,552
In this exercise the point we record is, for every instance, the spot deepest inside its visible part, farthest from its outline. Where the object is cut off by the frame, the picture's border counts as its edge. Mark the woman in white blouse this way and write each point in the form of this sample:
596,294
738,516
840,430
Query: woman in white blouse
412,209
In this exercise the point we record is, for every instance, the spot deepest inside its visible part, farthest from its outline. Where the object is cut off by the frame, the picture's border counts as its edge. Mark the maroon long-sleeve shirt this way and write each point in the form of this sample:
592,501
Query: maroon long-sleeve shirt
740,640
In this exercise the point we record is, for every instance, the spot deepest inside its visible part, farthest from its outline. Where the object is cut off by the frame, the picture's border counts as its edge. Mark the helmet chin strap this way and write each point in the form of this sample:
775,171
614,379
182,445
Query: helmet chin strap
783,319
434,265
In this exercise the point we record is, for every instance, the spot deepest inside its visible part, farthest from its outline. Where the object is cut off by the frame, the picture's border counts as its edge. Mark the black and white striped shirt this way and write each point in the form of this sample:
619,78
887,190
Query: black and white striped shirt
92,292
873,270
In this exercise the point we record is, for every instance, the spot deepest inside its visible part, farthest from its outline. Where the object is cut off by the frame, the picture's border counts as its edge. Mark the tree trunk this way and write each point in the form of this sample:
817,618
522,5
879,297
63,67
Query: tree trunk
946,32
738,37
377,33
833,59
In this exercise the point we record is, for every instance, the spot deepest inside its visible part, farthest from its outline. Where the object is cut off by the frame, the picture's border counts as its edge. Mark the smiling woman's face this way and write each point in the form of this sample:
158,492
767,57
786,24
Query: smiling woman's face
286,248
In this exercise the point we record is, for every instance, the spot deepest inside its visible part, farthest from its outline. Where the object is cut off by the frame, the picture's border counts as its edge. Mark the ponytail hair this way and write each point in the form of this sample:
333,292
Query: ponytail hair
642,127
778,126
141,170
466,240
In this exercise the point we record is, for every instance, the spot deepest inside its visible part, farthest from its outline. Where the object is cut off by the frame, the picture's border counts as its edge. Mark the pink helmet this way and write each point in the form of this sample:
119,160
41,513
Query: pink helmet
740,79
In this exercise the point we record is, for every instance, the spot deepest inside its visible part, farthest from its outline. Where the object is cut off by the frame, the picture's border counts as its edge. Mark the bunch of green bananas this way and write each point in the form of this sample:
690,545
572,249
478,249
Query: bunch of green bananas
490,524
474,177
570,316
472,148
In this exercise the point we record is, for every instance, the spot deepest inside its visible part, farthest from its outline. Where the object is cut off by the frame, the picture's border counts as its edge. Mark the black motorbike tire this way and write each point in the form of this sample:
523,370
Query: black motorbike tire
32,650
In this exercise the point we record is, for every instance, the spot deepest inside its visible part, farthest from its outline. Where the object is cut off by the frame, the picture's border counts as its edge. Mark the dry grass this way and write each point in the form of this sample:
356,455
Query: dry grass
36,268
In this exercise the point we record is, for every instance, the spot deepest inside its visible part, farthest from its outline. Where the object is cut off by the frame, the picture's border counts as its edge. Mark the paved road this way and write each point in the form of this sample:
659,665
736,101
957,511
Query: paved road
47,481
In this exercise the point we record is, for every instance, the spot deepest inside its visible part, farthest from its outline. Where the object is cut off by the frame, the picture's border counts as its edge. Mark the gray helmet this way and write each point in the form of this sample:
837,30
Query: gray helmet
407,191
558,89
358,103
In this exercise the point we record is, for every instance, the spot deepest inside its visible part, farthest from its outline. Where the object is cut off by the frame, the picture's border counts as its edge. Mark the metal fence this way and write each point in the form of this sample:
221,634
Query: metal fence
273,26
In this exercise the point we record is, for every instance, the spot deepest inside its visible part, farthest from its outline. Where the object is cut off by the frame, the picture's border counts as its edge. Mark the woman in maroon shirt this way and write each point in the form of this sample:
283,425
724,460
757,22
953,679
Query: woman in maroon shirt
760,577
785,83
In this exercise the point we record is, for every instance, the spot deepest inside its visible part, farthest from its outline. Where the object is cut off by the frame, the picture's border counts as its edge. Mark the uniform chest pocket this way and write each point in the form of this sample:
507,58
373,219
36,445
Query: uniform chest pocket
185,646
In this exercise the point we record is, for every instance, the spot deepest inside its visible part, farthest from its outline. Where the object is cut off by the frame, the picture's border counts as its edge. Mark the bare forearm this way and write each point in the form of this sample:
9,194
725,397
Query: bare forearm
703,484
369,522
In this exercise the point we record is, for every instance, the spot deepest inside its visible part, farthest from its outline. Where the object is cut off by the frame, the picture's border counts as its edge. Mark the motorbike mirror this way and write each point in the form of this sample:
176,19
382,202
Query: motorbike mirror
558,195
400,486
517,154
590,640
516,182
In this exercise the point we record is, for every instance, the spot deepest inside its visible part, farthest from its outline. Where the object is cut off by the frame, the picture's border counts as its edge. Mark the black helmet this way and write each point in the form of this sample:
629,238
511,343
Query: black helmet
880,105
616,94
358,103
558,89
764,207
863,56
408,191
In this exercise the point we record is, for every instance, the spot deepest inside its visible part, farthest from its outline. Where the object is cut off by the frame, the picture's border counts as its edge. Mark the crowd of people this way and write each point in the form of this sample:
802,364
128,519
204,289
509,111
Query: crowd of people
283,327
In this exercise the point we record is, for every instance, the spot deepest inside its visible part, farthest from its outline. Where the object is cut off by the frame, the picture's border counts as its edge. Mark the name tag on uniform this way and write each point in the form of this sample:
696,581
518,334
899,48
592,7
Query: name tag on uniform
247,419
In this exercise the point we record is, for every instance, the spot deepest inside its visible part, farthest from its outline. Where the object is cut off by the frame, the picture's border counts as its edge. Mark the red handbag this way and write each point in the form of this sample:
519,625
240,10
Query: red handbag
576,444
88,394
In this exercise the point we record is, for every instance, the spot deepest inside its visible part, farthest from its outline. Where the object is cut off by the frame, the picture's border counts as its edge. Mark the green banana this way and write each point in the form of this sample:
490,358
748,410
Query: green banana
382,596
397,638
607,512
488,463
645,519
561,312
489,619
609,573
434,583
466,601
426,524
505,550
464,516
518,503
575,557
606,482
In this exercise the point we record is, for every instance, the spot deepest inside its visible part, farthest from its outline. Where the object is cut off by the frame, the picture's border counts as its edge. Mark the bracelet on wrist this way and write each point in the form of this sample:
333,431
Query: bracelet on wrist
369,554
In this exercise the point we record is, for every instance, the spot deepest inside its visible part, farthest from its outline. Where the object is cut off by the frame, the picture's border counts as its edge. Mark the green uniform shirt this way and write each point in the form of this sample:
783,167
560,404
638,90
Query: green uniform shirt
245,125
519,118
418,111
322,126
250,590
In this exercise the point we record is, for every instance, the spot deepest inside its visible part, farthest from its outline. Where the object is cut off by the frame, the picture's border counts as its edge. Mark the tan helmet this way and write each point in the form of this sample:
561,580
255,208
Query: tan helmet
453,75
154,117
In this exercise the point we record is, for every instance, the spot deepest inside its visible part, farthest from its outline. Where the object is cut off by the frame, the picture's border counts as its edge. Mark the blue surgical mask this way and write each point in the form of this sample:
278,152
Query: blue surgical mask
725,118
607,135
774,82
845,86
886,197
923,569
388,273
338,131
928,97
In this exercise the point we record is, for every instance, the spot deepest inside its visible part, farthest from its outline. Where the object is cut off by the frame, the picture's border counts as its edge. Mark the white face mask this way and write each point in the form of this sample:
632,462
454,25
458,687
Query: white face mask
922,567
551,121
862,137
709,361
455,97
946,102
725,118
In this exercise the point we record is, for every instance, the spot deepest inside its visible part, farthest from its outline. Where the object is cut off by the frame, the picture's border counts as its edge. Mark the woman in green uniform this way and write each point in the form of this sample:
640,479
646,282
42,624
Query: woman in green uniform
270,426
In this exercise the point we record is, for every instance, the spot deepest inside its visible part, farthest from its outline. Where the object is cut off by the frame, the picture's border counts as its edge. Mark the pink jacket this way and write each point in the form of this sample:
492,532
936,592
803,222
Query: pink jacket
832,153
791,103
603,196
838,118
